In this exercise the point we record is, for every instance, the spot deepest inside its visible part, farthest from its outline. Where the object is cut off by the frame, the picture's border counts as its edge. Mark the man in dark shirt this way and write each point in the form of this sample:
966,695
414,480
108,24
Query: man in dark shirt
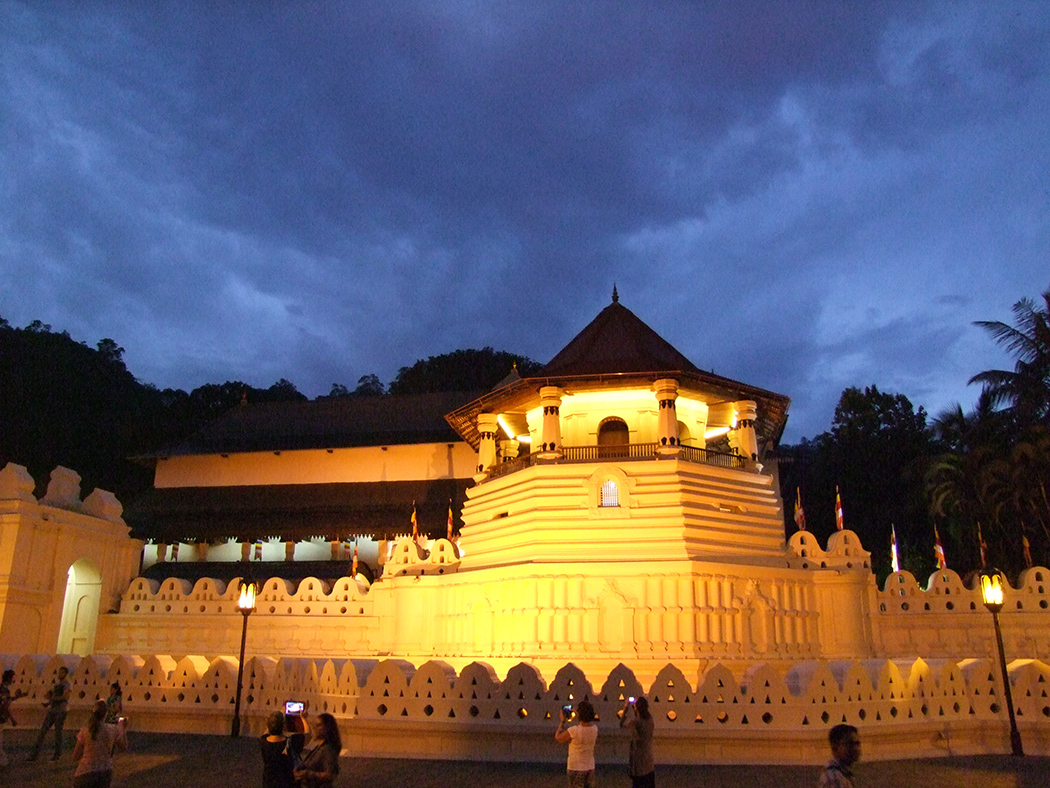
845,751
56,703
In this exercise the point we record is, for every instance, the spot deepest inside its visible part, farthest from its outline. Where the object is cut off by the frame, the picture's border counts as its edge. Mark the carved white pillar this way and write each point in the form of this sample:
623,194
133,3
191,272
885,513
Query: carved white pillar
487,427
667,421
550,401
744,436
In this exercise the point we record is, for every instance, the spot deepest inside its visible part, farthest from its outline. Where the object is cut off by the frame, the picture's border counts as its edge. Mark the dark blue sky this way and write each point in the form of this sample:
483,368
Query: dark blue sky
799,195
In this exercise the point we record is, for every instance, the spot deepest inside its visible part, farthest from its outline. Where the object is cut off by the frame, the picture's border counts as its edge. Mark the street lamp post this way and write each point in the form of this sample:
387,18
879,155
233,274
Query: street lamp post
246,604
992,594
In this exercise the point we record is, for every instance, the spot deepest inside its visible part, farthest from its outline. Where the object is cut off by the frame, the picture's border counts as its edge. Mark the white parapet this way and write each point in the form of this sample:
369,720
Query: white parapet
768,713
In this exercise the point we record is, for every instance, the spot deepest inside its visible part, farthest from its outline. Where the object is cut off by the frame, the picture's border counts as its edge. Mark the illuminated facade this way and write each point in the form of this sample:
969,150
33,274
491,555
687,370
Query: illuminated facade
615,511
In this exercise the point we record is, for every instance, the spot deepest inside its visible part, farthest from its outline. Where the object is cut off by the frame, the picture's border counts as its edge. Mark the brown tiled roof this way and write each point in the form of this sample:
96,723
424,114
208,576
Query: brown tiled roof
327,424
295,511
616,341
617,348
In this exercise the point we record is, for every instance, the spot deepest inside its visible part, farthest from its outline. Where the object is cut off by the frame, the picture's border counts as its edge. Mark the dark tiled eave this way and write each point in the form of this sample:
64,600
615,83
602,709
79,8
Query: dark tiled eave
295,511
324,424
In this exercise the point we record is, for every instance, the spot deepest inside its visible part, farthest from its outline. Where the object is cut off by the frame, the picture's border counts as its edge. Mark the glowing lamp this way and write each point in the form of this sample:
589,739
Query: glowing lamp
992,596
992,590
245,604
246,601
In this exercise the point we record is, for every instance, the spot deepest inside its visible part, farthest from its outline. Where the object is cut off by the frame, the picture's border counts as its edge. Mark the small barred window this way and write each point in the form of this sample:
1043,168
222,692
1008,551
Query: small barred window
610,494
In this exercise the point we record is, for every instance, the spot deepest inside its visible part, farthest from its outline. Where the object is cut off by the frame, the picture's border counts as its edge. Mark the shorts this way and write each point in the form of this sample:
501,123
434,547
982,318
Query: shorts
583,779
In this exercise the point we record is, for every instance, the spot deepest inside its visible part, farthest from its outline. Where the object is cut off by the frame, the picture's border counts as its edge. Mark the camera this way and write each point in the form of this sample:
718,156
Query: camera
567,710
294,707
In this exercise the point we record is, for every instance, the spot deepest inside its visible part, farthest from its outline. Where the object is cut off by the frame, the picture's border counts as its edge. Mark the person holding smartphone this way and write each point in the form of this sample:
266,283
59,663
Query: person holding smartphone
278,764
581,739
296,730
640,762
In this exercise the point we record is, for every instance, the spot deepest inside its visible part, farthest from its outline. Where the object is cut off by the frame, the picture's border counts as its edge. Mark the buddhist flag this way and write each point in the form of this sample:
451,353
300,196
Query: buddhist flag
415,523
1027,551
346,548
800,516
258,550
353,566
175,552
893,549
838,509
449,519
938,550
981,544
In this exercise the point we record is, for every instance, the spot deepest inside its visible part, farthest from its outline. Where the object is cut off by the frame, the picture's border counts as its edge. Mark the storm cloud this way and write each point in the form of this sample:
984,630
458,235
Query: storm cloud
803,196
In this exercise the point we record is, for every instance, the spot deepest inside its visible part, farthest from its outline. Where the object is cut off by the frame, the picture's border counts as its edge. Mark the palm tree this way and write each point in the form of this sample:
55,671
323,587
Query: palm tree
1025,390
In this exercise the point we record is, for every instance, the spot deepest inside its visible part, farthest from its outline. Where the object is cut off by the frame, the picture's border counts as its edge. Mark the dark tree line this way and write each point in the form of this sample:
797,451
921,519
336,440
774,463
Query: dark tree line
978,476
460,370
65,403
876,454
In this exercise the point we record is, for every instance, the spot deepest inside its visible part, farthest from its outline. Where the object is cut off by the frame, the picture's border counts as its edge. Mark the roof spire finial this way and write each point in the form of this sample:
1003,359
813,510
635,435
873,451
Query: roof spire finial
616,296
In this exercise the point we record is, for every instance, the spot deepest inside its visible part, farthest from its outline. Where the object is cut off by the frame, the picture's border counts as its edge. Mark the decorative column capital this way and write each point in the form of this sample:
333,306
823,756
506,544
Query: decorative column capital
666,389
551,395
488,423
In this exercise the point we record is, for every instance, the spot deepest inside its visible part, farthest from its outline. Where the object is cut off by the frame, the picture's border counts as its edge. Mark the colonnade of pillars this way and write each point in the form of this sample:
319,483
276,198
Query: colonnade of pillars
742,437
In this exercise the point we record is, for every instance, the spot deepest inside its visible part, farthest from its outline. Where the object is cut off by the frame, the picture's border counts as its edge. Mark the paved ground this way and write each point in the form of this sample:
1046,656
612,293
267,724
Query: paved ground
180,761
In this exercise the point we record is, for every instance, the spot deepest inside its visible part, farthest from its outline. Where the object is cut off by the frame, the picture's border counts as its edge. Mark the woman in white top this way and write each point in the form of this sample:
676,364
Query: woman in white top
96,743
581,739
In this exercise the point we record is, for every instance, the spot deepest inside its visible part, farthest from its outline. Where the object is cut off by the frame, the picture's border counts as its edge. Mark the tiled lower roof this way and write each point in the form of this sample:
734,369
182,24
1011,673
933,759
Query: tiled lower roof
326,424
295,511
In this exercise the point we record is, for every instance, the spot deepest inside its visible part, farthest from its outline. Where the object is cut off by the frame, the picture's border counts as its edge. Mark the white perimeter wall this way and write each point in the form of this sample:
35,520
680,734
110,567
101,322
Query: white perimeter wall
767,714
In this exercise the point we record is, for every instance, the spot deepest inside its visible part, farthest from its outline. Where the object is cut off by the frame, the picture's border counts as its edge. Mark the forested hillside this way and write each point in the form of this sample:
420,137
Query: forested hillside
65,403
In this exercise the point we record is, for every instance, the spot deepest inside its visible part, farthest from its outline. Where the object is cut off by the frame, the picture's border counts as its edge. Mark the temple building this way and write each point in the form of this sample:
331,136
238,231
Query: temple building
615,506
299,483
444,571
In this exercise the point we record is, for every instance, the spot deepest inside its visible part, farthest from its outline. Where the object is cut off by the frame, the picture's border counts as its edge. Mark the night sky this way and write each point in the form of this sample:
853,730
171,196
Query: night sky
802,196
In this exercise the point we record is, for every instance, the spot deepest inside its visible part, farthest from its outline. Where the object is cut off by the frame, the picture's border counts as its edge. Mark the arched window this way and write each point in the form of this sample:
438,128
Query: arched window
610,493
613,437
683,433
